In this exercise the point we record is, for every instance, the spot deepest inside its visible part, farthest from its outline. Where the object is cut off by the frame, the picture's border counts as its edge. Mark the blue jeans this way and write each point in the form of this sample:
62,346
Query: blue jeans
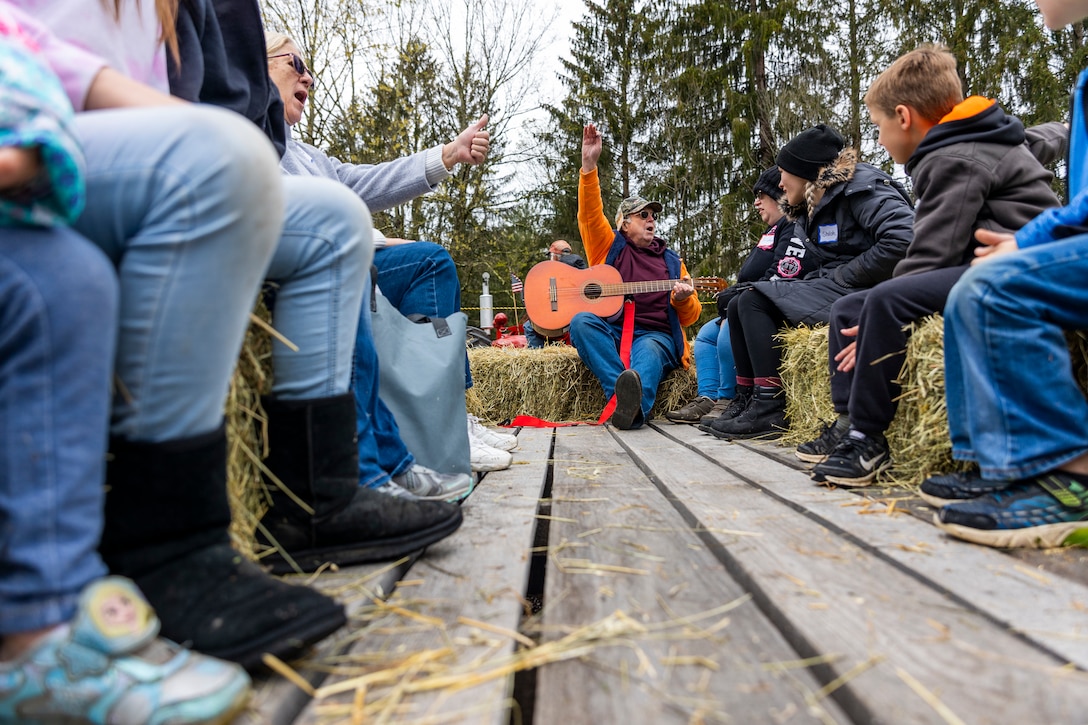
187,203
58,327
598,344
382,453
1013,404
321,266
714,370
420,278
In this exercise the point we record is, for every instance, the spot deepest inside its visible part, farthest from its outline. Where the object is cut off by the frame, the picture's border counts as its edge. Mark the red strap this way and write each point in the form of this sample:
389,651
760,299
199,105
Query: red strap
626,339
625,354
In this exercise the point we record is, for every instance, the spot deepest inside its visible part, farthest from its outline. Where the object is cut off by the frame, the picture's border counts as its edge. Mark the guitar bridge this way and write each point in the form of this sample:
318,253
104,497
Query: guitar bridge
553,296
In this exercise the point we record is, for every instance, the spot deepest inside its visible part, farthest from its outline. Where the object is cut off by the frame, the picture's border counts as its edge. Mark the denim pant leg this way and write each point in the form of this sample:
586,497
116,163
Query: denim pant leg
420,278
705,351
598,345
1021,408
58,328
381,451
652,357
727,370
187,202
320,266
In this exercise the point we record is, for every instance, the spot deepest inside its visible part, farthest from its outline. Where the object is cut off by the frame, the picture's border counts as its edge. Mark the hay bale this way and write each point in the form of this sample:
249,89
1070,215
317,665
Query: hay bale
246,442
551,383
805,382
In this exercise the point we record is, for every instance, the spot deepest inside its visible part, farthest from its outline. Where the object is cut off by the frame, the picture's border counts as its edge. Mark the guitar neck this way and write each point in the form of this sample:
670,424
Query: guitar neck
635,288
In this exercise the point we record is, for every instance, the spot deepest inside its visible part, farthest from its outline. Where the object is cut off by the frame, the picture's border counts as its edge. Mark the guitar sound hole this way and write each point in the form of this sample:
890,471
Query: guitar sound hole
592,291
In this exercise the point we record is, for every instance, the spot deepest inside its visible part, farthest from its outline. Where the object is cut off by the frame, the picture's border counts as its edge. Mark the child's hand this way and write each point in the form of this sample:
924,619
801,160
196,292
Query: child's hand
994,244
847,356
18,167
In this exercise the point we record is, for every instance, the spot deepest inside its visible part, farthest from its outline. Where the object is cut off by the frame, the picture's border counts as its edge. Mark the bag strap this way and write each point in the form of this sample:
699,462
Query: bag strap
627,337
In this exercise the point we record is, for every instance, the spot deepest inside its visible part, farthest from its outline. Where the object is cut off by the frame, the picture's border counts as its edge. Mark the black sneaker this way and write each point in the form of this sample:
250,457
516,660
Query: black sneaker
856,460
947,488
818,449
628,413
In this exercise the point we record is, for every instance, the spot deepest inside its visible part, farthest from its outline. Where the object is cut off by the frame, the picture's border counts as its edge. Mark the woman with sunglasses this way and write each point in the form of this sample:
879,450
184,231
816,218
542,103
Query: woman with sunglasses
659,343
416,277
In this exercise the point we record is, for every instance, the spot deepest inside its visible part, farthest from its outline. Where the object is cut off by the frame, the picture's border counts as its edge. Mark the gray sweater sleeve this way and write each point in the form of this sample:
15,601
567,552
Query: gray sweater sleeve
381,186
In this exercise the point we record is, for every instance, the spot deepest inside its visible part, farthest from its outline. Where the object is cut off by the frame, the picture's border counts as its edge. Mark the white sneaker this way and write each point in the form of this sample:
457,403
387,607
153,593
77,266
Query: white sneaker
486,458
430,485
477,431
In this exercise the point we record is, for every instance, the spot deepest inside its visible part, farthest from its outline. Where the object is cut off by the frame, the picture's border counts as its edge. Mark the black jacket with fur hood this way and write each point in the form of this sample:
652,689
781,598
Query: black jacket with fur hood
859,230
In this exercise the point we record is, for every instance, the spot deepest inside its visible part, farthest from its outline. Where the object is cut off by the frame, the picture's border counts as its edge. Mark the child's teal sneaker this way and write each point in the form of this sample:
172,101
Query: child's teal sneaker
1041,512
108,666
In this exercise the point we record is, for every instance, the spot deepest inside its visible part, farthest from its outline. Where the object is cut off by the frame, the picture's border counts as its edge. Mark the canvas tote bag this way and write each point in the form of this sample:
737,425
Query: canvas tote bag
421,380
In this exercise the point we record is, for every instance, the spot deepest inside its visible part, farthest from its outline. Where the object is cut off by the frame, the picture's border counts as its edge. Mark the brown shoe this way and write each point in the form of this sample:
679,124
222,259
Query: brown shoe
693,411
720,407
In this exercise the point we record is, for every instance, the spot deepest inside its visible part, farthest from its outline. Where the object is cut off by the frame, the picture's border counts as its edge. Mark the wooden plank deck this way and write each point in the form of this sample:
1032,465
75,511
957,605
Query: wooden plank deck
664,576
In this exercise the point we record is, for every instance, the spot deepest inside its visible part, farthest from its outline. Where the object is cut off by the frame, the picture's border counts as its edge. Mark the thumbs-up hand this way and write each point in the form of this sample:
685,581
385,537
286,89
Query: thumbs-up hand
470,146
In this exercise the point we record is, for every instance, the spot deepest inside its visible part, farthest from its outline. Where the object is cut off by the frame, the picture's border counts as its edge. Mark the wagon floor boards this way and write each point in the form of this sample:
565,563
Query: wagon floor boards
664,576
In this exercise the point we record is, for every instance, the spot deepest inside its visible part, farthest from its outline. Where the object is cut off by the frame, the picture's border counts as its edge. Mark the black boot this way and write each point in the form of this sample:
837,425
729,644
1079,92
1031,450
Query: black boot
312,451
166,528
741,398
764,417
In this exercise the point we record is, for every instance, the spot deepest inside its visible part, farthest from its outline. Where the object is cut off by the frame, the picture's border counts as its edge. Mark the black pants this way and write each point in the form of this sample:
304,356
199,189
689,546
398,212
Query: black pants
869,392
757,314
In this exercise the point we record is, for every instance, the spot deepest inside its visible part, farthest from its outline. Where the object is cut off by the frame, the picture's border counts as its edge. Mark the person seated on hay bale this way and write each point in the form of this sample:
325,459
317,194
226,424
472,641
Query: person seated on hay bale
659,344
319,511
559,251
1028,433
416,277
714,369
973,166
850,223
60,303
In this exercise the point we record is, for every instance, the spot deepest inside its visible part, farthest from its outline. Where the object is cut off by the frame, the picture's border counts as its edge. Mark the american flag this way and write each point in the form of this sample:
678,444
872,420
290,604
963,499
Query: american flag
516,285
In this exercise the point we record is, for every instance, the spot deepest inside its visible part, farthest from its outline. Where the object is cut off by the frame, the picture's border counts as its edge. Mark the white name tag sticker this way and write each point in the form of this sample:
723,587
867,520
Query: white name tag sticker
766,241
829,233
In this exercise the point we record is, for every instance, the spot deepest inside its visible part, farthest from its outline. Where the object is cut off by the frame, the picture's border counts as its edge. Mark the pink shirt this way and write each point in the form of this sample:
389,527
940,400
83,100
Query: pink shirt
80,37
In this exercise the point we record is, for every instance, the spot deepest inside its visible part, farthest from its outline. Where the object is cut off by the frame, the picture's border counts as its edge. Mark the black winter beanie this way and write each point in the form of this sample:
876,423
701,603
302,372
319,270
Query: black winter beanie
768,183
809,151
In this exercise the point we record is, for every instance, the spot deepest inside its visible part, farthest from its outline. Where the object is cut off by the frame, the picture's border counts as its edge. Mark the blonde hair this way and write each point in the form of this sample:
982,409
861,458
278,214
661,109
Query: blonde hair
924,79
274,41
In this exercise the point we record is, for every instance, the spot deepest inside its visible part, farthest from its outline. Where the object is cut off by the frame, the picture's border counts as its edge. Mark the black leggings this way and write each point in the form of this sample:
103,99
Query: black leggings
753,322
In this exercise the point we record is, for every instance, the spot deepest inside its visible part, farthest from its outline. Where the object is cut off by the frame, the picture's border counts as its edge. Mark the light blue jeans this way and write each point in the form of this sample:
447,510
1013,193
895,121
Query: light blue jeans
598,344
187,203
714,369
58,326
1013,404
320,268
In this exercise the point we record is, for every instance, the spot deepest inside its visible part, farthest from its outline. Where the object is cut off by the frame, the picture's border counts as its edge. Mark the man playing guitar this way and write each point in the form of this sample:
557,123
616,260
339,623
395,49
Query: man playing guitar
659,343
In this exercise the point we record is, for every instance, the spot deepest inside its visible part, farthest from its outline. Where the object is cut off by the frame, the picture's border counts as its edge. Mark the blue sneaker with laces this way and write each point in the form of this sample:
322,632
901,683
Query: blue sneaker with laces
108,666
1039,512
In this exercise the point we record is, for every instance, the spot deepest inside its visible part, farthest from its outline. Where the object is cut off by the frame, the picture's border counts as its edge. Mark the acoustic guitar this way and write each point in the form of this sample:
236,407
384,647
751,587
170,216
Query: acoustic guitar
556,292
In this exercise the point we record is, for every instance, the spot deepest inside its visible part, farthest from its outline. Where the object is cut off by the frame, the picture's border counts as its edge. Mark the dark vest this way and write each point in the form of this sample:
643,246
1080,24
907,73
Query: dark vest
672,264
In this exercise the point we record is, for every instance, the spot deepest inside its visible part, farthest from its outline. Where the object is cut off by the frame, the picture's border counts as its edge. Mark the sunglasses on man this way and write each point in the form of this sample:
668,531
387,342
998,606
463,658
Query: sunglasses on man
645,214
299,66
